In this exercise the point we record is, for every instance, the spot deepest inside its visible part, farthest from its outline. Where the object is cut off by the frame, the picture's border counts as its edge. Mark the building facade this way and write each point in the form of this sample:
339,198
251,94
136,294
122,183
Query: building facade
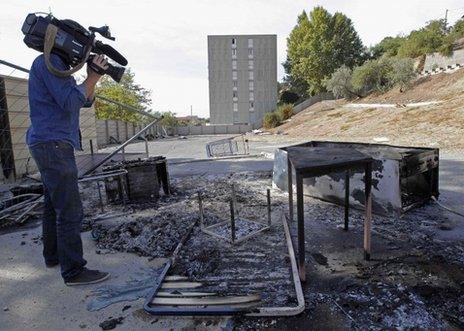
242,78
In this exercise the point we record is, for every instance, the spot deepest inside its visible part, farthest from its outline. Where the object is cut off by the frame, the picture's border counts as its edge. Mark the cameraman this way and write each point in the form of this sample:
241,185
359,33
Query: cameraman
53,136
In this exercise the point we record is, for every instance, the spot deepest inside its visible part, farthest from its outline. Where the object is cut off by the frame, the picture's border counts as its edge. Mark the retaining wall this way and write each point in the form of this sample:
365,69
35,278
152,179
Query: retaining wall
311,101
436,61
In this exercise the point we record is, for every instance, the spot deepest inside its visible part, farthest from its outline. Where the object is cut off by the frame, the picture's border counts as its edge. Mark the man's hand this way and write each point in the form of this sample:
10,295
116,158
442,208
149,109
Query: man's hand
92,76
100,62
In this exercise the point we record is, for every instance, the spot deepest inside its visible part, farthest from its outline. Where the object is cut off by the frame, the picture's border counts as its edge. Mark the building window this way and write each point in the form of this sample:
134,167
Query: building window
234,52
250,51
251,85
235,117
235,83
234,41
250,64
252,105
252,96
234,94
250,42
234,64
235,106
234,75
250,75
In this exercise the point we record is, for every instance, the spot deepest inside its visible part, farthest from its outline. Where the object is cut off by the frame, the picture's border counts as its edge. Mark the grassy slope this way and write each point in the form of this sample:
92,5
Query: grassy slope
439,125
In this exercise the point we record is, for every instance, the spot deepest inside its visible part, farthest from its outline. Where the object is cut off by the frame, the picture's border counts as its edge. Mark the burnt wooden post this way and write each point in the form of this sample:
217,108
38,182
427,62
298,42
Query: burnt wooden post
347,198
290,188
200,207
269,207
232,213
301,233
368,217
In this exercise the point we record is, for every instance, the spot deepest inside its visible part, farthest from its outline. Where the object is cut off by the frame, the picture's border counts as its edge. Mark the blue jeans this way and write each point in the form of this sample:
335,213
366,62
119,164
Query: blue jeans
62,218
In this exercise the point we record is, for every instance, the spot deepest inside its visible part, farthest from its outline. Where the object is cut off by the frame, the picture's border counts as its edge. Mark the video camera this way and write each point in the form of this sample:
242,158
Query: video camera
72,42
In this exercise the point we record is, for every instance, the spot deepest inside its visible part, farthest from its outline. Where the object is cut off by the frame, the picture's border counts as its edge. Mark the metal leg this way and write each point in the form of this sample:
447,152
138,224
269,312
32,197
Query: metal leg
368,217
146,148
100,196
200,206
269,207
232,221
347,198
301,233
290,190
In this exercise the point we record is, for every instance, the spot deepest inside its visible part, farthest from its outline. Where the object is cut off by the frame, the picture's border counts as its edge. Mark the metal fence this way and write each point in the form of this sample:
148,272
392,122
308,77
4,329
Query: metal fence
15,159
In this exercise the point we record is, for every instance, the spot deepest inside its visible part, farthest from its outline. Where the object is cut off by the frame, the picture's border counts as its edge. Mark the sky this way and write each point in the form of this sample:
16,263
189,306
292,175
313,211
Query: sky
165,42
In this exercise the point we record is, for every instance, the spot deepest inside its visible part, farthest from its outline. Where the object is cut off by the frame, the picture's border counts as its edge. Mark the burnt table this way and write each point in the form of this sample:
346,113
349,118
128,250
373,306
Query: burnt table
309,162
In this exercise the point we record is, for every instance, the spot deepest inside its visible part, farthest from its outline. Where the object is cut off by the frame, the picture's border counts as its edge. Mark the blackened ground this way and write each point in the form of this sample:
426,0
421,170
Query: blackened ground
156,233
415,279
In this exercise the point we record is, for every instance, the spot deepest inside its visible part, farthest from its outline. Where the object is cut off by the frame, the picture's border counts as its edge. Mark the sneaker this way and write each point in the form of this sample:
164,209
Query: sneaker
88,277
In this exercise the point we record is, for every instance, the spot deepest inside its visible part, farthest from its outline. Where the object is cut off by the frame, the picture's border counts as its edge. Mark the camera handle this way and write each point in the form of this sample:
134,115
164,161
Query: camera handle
50,36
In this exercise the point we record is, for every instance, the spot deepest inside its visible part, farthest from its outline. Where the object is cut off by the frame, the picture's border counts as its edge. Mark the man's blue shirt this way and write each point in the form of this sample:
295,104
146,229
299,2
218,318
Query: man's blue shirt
54,104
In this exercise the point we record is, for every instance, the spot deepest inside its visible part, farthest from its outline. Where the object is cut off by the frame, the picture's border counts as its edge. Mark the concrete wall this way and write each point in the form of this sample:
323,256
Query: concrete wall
312,100
18,114
212,129
242,78
437,61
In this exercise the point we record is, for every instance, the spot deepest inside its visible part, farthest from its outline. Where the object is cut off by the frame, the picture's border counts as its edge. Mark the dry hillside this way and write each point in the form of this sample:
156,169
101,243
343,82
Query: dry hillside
440,124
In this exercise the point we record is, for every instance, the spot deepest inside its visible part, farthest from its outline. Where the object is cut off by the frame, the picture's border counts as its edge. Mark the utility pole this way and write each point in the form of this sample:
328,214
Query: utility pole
446,20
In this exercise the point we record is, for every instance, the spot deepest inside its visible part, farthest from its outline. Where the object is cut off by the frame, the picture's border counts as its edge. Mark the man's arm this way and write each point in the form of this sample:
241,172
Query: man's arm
92,77
67,94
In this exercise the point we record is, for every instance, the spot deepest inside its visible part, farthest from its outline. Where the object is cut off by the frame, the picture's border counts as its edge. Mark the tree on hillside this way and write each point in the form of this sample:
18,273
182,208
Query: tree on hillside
126,92
340,83
318,45
387,46
426,40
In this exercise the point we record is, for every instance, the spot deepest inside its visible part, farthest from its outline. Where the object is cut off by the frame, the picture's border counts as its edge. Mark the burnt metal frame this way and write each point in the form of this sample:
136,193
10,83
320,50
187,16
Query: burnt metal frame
233,212
313,172
223,309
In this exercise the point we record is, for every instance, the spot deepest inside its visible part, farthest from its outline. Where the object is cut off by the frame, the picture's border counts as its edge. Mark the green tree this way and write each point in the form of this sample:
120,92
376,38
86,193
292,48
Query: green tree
389,46
426,40
126,92
318,45
169,120
402,72
340,83
373,75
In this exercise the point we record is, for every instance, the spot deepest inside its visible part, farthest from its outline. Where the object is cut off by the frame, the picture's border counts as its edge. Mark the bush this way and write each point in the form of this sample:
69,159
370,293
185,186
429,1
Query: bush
340,83
288,97
402,72
373,75
285,111
271,120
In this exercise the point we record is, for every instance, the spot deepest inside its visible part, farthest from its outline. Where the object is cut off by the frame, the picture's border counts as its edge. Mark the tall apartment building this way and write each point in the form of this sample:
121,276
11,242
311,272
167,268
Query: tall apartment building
242,78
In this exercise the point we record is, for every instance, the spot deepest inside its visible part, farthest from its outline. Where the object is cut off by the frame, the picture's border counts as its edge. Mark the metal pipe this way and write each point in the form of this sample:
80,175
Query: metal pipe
146,147
200,205
14,66
269,207
347,198
127,142
141,112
